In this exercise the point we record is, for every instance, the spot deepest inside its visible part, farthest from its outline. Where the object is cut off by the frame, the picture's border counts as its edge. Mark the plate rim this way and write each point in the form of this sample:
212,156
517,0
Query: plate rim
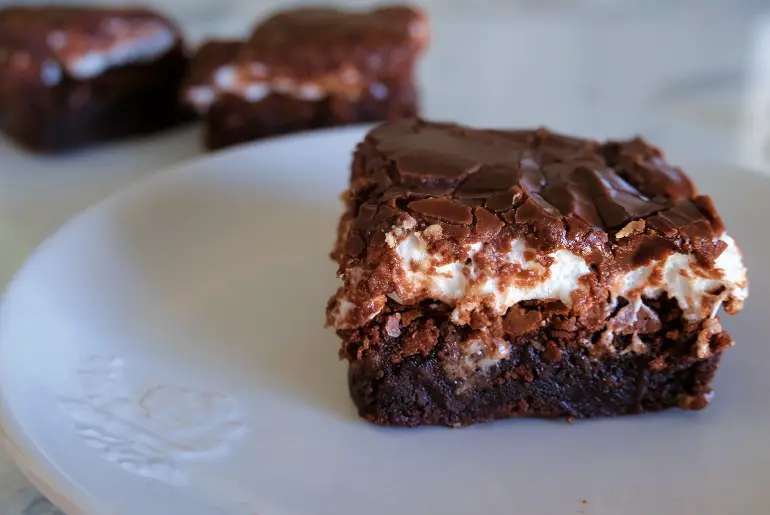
45,487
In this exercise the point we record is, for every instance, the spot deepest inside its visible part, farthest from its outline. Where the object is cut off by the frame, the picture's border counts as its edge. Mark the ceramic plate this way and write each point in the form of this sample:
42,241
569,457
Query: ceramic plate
164,353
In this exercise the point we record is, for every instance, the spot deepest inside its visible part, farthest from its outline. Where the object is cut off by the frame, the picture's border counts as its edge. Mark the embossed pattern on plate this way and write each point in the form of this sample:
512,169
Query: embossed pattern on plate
154,431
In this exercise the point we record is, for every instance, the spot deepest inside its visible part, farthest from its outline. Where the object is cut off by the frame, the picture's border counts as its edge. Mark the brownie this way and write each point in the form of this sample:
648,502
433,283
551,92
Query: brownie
308,68
490,274
198,90
74,76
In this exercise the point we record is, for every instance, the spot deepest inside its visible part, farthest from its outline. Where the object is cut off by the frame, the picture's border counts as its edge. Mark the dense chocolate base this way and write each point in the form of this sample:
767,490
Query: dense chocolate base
127,101
543,376
416,392
233,120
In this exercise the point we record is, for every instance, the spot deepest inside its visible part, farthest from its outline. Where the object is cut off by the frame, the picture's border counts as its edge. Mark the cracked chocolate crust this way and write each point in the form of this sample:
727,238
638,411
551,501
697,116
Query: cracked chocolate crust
469,195
557,191
412,367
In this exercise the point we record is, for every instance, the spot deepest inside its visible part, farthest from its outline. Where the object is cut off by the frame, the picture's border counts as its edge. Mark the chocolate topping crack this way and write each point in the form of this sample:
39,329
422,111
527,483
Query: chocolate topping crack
482,220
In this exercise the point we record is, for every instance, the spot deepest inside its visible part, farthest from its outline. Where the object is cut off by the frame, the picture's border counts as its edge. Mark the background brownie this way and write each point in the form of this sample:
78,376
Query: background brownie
198,89
233,120
308,68
490,274
70,76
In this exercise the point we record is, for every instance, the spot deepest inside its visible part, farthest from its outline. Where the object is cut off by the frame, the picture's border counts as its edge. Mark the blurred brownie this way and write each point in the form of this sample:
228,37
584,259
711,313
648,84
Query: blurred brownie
308,68
72,76
210,65
492,274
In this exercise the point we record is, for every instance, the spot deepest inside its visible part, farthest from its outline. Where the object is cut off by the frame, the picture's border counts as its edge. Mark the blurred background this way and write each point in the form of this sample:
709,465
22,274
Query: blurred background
622,65
692,76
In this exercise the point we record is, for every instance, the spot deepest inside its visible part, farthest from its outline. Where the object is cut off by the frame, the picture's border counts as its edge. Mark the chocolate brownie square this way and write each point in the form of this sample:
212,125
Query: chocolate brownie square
308,68
72,76
490,274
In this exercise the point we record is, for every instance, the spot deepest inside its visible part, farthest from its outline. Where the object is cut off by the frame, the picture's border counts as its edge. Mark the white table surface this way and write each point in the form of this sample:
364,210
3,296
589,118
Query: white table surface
691,75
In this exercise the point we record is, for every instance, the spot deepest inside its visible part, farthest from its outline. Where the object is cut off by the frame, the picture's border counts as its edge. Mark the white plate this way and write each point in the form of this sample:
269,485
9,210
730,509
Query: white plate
164,354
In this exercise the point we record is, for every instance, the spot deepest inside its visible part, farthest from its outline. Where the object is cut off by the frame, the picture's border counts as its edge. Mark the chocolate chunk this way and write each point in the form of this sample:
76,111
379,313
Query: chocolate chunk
532,178
683,214
471,202
567,199
366,215
642,165
643,249
355,245
518,321
535,209
505,200
443,209
552,352
647,321
706,206
510,217
487,180
457,232
686,221
417,165
487,224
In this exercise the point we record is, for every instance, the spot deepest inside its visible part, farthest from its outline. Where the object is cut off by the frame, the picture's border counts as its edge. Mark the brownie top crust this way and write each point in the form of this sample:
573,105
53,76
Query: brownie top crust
41,44
469,178
314,41
484,219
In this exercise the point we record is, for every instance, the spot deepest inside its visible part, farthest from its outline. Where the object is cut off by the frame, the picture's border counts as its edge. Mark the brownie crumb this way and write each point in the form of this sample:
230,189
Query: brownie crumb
693,402
519,321
658,364
552,352
410,316
421,340
632,229
392,326
433,233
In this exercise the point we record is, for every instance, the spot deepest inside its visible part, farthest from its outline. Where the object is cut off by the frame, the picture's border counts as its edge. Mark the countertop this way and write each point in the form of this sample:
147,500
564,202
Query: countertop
692,76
